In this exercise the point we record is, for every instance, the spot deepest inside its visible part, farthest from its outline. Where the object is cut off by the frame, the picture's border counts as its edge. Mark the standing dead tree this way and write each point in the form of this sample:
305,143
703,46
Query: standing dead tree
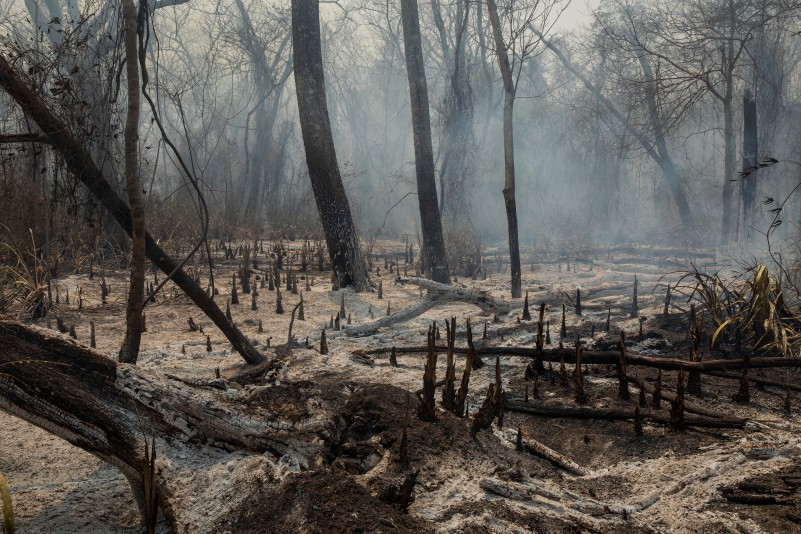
521,44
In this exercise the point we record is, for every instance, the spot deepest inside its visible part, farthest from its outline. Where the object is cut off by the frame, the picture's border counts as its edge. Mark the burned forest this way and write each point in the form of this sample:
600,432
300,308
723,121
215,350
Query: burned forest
454,266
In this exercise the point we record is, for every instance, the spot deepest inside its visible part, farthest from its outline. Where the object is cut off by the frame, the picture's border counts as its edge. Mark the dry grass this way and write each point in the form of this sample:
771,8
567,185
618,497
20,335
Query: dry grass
23,282
749,306
8,511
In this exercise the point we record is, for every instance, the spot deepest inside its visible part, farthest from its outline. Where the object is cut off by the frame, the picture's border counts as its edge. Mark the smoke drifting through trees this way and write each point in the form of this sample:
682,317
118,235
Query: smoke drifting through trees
617,135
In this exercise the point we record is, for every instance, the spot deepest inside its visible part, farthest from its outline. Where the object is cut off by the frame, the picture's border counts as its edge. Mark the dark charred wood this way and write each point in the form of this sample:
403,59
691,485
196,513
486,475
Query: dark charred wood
108,409
580,412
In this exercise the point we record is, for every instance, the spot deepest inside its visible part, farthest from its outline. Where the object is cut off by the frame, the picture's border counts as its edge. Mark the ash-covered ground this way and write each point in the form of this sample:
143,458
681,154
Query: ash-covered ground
699,479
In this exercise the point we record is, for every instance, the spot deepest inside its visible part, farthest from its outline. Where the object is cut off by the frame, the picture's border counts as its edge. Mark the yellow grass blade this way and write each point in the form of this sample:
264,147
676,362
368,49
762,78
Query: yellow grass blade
8,511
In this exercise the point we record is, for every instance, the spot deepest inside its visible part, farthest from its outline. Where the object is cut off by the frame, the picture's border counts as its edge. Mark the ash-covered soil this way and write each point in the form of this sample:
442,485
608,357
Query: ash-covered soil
704,480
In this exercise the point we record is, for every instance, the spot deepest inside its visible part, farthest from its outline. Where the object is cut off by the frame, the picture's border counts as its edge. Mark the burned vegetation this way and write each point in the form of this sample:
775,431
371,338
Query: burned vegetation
407,421
278,267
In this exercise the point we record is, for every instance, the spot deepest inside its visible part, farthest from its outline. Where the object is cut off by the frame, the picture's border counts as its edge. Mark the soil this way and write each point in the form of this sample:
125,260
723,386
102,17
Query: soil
353,486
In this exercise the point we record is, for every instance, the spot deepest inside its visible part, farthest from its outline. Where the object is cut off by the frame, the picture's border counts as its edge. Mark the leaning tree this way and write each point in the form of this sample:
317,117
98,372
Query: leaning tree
80,163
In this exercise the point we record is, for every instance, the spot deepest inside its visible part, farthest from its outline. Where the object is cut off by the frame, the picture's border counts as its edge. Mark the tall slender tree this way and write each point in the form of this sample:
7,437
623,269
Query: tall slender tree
133,314
318,142
433,241
509,90
520,42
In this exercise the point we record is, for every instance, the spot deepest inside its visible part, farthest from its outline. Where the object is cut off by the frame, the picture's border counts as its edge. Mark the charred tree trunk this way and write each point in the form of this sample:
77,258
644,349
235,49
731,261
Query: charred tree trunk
508,149
433,240
321,158
111,409
750,158
134,320
730,205
80,163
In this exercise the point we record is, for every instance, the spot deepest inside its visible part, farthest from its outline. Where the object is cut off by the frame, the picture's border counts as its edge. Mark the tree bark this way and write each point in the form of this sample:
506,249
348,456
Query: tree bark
133,312
80,163
321,159
730,204
750,158
110,409
434,243
508,149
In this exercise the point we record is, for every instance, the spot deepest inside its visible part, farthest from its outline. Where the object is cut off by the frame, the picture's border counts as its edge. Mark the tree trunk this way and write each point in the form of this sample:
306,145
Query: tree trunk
508,149
672,180
730,204
110,409
133,313
321,158
509,194
269,90
424,153
83,167
456,115
665,162
750,158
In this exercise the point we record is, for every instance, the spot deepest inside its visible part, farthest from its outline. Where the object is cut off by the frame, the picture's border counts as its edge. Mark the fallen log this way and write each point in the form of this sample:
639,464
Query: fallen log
759,381
437,293
671,397
577,412
530,490
540,449
740,497
548,493
403,315
594,357
111,410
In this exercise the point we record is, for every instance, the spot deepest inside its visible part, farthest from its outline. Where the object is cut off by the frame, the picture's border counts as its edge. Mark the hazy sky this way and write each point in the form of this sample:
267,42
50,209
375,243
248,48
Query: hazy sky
577,14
